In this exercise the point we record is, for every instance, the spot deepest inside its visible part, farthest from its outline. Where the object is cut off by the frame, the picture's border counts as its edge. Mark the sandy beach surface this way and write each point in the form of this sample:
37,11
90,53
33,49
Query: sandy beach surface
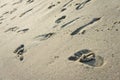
60,39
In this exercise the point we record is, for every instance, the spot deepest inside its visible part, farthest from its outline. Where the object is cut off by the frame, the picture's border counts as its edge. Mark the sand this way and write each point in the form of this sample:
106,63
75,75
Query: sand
56,35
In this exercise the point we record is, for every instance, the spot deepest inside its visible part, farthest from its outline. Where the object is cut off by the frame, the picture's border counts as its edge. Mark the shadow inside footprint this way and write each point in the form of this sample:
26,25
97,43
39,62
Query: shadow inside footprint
97,62
78,54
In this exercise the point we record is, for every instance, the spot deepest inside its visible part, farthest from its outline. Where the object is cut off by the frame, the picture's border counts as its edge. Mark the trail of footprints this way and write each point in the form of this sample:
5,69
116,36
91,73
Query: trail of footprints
88,57
84,56
9,12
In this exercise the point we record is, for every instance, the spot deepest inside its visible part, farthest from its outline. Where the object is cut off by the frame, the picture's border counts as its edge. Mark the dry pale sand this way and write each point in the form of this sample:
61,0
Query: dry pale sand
56,34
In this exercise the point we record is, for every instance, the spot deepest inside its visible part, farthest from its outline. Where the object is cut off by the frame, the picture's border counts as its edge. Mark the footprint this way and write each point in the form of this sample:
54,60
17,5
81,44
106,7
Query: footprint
78,54
97,62
86,56
60,19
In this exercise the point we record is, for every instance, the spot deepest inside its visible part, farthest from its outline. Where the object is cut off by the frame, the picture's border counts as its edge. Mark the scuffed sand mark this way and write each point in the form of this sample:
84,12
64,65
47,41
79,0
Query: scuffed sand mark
60,19
13,18
30,1
18,2
23,30
53,5
7,12
12,29
25,12
63,9
44,36
53,59
2,19
0,22
82,27
3,5
12,11
67,3
66,24
81,5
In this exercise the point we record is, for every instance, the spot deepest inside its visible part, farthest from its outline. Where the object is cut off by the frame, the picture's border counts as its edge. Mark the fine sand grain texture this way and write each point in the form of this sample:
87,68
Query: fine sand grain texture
59,40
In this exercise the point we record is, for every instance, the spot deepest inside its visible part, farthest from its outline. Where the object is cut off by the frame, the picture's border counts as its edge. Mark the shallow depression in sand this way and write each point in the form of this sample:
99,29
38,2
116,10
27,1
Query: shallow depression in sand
98,62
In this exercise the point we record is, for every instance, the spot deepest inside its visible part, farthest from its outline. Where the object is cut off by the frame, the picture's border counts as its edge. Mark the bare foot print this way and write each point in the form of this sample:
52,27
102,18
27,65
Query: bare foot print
92,60
87,57
78,54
